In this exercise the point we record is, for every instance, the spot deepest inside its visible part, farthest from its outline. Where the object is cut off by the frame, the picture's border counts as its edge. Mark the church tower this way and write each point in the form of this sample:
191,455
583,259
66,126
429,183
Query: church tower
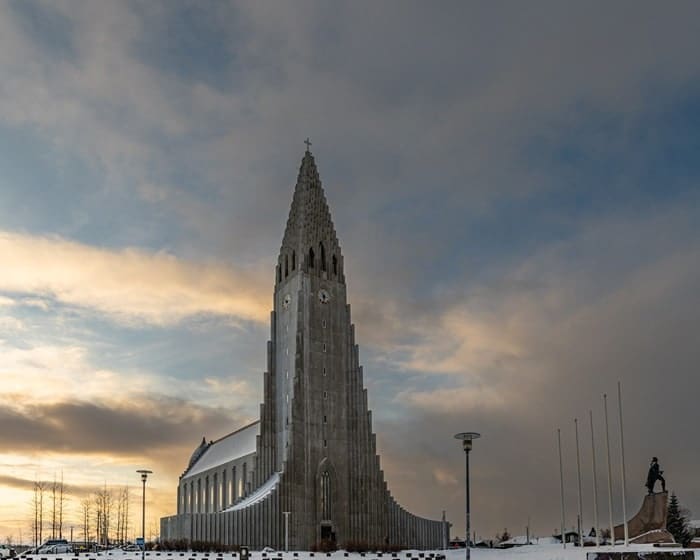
316,386
310,308
315,453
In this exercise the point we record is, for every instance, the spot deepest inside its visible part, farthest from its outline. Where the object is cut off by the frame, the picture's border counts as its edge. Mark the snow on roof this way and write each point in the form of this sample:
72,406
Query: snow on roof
260,494
234,445
522,540
519,540
694,523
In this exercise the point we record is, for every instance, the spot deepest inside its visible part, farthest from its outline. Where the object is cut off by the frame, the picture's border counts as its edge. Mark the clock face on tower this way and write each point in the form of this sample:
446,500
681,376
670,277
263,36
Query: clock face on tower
324,296
287,301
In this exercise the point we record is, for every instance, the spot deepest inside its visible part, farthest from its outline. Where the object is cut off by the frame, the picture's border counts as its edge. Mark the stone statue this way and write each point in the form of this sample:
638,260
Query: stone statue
655,473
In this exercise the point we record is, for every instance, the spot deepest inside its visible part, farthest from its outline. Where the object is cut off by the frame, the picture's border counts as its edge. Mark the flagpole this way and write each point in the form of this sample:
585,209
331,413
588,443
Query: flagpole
595,484
607,446
622,454
580,499
561,484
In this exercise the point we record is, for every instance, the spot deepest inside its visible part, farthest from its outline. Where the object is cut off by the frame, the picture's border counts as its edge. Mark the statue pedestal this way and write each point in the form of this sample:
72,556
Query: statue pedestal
649,525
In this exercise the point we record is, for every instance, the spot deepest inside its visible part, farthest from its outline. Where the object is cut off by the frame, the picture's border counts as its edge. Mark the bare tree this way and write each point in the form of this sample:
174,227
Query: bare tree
38,511
85,510
57,502
53,507
103,510
61,502
123,515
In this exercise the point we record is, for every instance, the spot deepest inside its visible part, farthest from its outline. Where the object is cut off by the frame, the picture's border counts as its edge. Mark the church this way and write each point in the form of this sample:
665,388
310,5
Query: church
308,469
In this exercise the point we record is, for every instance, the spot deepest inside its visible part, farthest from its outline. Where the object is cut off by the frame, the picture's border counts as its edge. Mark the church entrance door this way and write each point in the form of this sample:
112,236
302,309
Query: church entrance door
327,532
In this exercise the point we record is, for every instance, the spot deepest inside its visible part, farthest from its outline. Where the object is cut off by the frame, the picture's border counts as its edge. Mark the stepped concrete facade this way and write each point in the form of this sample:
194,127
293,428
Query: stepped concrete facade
312,453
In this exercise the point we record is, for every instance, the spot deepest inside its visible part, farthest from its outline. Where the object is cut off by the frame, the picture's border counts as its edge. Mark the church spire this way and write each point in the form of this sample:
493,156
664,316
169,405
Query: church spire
310,242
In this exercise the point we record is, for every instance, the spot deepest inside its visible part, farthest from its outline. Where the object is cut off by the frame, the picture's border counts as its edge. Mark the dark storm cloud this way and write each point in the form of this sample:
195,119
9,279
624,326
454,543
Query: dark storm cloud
143,426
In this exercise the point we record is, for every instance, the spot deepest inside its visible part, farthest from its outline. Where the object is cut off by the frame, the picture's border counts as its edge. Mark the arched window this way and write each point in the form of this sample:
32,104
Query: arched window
323,257
335,265
286,266
311,257
294,260
326,496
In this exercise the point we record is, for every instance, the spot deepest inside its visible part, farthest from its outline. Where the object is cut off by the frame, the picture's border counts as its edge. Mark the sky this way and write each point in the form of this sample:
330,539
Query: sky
515,188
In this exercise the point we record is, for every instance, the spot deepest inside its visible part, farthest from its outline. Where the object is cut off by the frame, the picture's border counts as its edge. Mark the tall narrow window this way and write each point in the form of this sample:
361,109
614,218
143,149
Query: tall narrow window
335,265
326,496
224,491
311,257
294,260
198,496
233,484
323,257
215,493
279,273
286,266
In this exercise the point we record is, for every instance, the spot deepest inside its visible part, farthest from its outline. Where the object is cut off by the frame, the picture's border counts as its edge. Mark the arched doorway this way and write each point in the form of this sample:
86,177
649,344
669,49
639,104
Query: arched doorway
326,478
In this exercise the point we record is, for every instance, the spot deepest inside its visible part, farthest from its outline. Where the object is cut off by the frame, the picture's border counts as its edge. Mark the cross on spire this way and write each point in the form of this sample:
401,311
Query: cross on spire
308,144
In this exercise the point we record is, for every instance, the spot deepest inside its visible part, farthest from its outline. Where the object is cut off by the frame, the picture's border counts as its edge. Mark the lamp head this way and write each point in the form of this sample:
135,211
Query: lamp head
467,438
144,474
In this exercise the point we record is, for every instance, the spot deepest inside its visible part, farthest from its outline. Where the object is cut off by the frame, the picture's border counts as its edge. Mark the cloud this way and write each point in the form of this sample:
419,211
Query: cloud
19,483
488,296
528,352
129,285
16,482
110,428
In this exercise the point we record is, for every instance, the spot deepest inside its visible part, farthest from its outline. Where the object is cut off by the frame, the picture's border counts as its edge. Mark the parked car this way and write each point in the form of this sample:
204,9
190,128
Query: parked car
6,552
55,549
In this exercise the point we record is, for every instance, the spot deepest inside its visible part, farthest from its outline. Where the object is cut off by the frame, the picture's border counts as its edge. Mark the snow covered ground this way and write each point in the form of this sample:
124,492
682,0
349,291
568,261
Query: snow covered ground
532,552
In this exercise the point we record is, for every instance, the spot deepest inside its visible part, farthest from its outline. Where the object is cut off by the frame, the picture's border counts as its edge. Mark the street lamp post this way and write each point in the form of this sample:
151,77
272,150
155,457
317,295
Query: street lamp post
467,438
286,530
144,475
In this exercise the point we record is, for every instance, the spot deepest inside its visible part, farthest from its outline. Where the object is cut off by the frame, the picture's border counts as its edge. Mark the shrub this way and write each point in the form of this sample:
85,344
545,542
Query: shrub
325,545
